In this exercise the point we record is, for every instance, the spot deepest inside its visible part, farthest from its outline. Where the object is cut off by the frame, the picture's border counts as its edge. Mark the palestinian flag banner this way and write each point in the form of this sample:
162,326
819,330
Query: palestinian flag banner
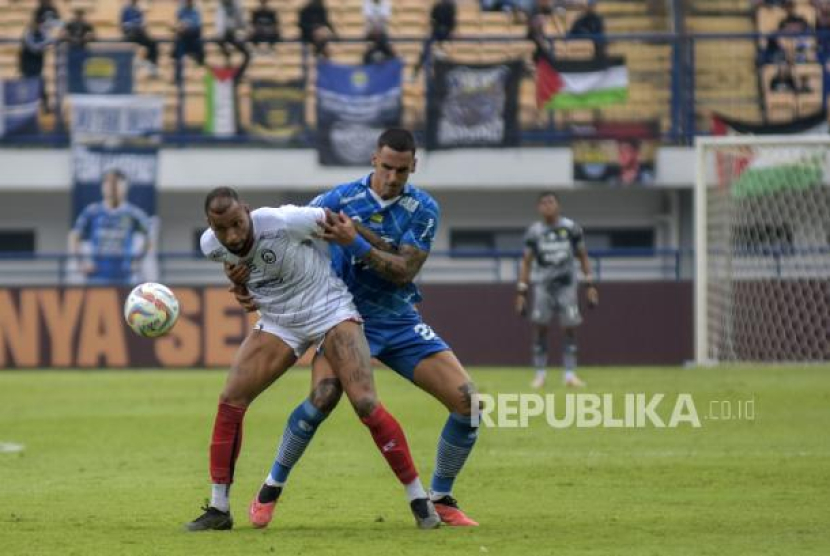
220,102
577,84
753,171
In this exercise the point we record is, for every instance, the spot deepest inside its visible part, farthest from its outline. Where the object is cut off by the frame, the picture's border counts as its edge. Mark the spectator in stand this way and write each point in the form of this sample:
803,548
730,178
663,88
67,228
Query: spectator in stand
132,26
590,23
536,20
33,45
78,32
265,25
230,25
315,28
782,81
797,49
47,16
377,14
442,18
188,30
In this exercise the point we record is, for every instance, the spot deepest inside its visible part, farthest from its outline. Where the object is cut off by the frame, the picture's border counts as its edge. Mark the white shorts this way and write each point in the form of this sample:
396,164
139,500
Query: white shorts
302,336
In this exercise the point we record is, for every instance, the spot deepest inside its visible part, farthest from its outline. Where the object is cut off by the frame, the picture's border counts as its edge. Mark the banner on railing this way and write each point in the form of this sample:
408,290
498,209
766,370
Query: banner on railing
617,154
115,142
473,105
354,105
100,71
220,101
278,110
103,118
19,102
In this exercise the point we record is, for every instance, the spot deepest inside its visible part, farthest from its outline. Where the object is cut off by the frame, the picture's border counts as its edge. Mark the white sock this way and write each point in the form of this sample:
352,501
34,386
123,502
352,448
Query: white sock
219,497
568,375
269,480
541,373
433,495
415,490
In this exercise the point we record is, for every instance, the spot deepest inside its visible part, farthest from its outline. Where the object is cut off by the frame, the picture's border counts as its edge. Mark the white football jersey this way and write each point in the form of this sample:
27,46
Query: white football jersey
291,278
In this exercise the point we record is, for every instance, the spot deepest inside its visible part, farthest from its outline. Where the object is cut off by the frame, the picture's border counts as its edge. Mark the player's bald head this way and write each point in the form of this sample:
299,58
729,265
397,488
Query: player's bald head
220,200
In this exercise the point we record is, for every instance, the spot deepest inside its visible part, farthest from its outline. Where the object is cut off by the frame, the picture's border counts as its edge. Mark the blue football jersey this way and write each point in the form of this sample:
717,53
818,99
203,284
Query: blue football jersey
110,231
409,220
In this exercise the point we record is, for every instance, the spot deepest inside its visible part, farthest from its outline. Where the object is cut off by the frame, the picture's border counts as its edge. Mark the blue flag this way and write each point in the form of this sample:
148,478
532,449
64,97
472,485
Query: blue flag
354,105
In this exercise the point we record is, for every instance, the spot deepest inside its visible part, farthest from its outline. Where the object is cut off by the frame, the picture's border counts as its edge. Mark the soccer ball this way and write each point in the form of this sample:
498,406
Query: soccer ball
151,310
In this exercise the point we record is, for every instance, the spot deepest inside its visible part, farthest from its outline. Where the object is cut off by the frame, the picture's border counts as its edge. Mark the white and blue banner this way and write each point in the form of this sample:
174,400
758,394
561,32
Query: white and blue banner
19,102
354,105
104,118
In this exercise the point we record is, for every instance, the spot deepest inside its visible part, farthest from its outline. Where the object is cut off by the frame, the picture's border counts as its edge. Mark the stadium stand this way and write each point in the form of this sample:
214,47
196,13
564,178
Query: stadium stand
726,77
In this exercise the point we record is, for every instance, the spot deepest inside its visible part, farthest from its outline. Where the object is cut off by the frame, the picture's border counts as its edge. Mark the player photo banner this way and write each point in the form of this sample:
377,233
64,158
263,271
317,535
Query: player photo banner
19,101
100,71
278,110
473,105
103,119
616,154
354,105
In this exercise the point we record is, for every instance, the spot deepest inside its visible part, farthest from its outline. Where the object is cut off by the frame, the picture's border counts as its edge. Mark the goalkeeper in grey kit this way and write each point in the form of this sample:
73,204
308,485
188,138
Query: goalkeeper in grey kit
552,246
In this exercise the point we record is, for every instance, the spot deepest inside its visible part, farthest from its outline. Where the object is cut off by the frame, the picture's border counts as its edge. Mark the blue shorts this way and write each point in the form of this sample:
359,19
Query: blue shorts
401,343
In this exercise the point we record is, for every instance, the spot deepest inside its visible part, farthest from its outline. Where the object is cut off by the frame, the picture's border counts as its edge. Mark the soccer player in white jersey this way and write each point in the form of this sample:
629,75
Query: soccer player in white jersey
552,246
302,303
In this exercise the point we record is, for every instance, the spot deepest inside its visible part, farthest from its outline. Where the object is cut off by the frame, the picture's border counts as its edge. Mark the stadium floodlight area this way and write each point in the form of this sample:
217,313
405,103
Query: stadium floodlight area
762,249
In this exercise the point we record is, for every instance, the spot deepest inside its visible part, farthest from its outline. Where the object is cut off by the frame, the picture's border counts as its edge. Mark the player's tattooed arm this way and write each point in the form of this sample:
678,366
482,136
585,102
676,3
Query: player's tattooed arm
399,268
374,240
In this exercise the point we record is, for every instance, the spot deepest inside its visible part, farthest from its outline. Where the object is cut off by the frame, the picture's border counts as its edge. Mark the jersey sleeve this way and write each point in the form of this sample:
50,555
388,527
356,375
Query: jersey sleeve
330,200
577,238
302,222
530,239
421,232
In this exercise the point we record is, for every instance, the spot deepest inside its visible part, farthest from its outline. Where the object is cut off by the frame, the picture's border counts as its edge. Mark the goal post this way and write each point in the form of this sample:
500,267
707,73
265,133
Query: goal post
762,249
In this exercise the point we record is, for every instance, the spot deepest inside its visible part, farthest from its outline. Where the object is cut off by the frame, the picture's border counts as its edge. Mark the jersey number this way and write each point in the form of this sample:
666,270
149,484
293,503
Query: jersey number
425,331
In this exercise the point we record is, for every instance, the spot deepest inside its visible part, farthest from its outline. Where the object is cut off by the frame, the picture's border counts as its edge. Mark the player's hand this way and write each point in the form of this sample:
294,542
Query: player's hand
244,298
521,305
340,229
237,273
592,293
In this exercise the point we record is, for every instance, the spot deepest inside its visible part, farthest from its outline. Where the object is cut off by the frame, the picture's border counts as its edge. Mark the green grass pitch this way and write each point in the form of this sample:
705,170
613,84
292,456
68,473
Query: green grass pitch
116,462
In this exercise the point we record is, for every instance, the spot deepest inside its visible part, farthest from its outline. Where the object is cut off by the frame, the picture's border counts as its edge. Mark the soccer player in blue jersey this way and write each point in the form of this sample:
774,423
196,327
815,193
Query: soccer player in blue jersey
110,226
384,227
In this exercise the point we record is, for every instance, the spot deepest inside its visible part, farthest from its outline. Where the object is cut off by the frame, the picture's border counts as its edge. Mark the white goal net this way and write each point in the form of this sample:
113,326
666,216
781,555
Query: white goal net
762,249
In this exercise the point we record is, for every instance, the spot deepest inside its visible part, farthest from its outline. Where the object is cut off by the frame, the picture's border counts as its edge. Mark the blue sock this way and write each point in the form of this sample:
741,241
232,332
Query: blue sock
302,424
456,443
